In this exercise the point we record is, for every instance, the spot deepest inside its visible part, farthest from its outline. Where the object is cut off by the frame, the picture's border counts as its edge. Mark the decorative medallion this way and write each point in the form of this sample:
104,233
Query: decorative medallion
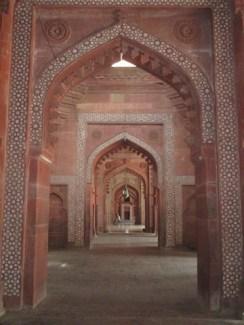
57,30
187,30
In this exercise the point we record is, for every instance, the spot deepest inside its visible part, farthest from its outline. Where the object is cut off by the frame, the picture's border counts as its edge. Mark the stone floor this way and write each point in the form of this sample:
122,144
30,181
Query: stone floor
123,280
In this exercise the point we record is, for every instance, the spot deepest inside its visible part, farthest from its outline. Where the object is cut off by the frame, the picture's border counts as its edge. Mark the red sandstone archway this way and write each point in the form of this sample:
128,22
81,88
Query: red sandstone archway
227,169
107,167
207,158
104,56
170,74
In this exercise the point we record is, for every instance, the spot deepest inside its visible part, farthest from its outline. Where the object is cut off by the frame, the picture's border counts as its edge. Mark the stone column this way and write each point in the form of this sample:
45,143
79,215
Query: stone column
239,56
151,198
107,219
1,300
6,25
162,218
156,208
36,229
208,228
88,210
142,203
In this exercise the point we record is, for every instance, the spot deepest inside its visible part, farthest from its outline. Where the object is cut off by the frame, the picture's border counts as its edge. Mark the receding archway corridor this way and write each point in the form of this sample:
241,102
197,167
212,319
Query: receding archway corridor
121,116
124,279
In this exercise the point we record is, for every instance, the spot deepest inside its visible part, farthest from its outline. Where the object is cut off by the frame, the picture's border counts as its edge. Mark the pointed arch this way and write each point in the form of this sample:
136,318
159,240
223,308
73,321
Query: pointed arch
228,164
167,177
176,57
120,169
133,139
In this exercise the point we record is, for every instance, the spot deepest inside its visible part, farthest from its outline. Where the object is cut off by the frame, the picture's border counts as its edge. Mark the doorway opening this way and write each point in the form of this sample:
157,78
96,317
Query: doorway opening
58,218
159,112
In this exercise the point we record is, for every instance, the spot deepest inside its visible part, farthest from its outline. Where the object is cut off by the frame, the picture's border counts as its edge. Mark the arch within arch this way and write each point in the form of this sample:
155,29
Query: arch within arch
227,160
132,139
167,167
164,171
121,169
113,189
133,33
141,196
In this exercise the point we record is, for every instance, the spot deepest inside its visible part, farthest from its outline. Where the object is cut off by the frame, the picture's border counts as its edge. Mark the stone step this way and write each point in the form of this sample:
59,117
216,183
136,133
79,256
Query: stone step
124,321
158,321
125,228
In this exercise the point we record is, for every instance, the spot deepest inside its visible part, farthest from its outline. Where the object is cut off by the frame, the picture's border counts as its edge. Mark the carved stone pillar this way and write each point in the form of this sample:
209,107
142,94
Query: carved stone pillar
36,228
6,25
88,216
1,300
151,198
147,204
239,56
162,218
156,208
208,224
142,203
